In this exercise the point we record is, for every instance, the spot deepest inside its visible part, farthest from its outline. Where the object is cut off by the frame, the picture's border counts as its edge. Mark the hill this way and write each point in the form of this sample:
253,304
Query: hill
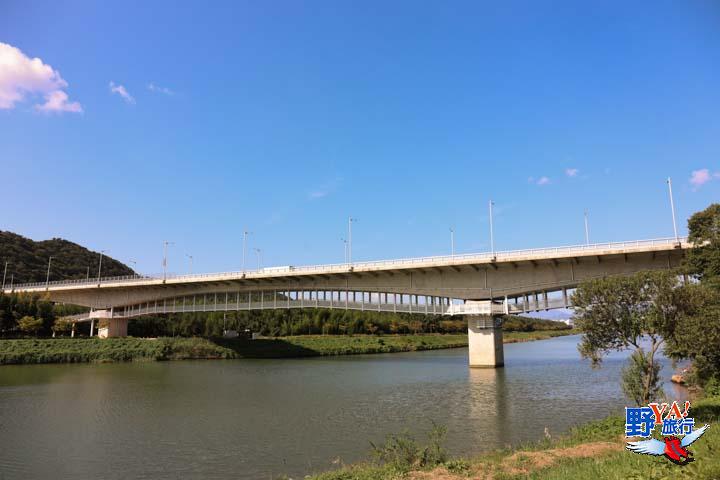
28,260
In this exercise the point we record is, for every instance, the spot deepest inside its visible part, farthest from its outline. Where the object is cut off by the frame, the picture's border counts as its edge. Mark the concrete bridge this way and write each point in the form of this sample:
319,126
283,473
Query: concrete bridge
480,286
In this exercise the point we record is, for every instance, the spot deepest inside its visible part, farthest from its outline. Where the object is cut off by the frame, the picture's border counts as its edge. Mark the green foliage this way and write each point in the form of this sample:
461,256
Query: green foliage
30,325
17,305
615,313
703,259
28,260
402,452
641,378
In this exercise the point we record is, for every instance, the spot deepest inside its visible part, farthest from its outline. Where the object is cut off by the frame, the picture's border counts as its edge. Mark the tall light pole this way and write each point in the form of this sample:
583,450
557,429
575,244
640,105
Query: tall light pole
672,208
349,255
587,231
245,234
102,252
87,274
47,278
190,257
164,264
345,243
134,264
492,235
4,275
452,243
258,252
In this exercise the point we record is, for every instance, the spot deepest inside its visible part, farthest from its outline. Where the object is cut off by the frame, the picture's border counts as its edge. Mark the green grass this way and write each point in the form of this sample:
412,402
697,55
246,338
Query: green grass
79,350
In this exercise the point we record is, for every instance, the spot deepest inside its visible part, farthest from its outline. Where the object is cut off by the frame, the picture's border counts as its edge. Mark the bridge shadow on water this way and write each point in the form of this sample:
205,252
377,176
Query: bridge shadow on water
264,348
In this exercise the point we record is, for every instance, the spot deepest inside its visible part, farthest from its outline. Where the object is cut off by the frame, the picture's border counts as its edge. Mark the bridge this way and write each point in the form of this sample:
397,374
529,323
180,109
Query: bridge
479,286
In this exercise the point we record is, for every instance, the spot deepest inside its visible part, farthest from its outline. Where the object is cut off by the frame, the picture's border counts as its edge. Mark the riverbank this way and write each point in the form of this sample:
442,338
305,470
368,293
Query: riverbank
83,350
594,450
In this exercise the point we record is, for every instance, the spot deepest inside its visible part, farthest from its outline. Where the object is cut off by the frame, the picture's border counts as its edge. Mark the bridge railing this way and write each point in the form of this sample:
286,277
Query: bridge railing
376,264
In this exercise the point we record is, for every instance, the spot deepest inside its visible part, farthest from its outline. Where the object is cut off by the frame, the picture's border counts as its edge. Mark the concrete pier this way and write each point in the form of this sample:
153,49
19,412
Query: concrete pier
485,340
115,327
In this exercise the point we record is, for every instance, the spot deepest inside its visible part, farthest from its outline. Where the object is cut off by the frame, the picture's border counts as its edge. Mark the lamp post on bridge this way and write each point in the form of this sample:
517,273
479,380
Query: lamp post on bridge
349,255
492,236
134,264
258,252
345,244
102,252
164,264
190,257
4,275
245,234
672,208
587,232
452,242
47,278
87,274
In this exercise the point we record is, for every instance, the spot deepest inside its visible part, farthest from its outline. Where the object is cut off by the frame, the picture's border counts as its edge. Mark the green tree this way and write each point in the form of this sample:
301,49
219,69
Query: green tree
30,325
703,260
618,313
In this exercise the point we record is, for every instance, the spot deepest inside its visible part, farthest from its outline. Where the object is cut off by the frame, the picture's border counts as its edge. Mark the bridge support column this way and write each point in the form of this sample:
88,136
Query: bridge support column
485,338
116,327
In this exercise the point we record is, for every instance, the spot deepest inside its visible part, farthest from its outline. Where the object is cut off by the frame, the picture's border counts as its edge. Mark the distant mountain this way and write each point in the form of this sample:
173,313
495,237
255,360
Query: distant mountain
28,260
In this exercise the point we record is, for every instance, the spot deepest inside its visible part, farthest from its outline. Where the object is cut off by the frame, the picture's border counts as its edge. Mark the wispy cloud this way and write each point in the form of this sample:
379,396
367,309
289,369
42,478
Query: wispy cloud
698,178
158,89
120,90
571,172
539,181
325,189
22,76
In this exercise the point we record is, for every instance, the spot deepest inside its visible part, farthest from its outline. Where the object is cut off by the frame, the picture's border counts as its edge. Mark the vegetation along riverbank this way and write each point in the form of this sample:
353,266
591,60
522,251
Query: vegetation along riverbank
594,450
78,350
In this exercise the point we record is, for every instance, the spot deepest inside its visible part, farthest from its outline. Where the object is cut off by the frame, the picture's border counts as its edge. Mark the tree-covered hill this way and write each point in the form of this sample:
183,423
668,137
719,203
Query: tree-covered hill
28,260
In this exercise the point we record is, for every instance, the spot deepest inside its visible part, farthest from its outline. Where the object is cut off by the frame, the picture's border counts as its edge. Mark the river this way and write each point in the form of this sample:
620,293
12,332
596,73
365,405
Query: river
258,419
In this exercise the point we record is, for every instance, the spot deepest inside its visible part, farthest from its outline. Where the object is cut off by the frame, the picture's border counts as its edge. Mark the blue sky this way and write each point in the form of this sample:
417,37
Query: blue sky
192,122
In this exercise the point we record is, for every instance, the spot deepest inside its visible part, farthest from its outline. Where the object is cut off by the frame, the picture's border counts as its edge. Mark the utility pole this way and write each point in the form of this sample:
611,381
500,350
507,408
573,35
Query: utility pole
587,231
345,244
165,245
190,257
452,243
350,222
492,236
258,252
100,264
245,234
47,278
4,275
672,208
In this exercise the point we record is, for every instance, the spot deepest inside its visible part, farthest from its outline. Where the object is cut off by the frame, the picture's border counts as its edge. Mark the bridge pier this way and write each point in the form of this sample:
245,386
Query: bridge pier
485,338
116,327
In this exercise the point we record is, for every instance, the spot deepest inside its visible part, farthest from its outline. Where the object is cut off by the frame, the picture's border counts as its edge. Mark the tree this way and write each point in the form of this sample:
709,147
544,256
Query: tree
618,313
703,260
30,325
61,325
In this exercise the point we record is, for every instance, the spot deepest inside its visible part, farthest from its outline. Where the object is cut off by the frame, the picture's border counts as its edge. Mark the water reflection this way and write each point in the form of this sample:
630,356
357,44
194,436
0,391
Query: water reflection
259,419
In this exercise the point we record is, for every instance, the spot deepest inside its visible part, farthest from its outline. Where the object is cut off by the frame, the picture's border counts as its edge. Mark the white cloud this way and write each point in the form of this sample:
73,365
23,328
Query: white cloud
120,90
22,76
700,177
571,172
157,89
318,194
543,181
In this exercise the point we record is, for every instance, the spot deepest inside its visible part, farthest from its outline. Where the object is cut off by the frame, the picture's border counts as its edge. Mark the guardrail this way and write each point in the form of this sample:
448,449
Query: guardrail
500,256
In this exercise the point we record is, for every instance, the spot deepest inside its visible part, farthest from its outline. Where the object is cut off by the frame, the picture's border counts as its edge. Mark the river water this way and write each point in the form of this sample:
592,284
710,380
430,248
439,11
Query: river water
258,419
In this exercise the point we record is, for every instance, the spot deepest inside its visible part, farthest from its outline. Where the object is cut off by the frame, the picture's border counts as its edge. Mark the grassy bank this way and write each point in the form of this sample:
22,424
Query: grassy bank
595,450
79,350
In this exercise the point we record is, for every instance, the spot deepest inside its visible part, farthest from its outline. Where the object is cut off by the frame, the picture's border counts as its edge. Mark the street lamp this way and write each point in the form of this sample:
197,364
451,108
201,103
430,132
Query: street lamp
134,264
102,252
452,242
258,252
245,235
587,231
350,222
492,237
4,275
191,262
165,245
47,278
345,244
672,208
